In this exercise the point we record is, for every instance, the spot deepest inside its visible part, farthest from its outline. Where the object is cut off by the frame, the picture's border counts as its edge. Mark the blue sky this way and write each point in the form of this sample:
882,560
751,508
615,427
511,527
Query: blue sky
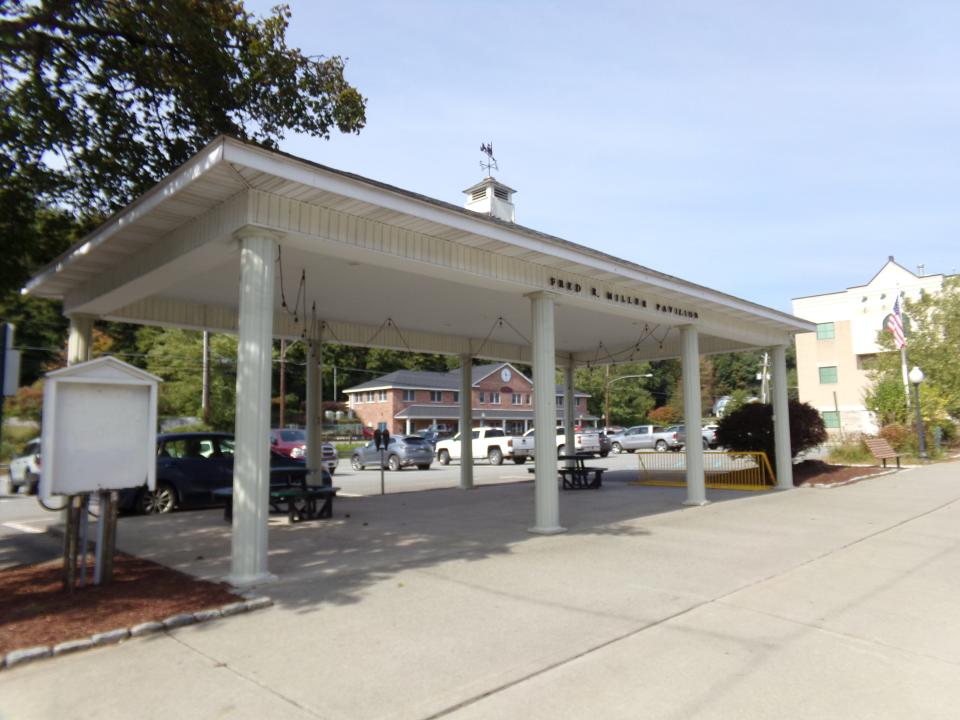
768,150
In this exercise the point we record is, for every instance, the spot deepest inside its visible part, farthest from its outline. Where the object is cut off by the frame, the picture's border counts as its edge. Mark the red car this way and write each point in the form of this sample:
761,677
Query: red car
292,442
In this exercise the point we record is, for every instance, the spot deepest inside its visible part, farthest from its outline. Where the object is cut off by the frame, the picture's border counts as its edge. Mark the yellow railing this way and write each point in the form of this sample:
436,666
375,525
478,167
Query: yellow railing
722,470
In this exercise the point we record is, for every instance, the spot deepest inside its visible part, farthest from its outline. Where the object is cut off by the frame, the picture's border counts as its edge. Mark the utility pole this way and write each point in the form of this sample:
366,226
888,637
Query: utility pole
606,398
205,392
283,382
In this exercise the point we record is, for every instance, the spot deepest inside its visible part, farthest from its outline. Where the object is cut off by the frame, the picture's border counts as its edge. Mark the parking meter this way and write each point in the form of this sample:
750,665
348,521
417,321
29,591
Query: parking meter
377,438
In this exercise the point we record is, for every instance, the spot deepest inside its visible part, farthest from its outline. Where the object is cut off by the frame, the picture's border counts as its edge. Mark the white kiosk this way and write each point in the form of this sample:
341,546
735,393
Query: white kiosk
99,435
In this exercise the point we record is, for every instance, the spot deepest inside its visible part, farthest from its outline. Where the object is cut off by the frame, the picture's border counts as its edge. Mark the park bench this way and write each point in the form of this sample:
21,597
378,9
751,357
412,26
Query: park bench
578,476
882,450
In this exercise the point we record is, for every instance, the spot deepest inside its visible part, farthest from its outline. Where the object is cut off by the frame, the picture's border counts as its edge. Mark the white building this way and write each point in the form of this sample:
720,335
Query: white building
833,362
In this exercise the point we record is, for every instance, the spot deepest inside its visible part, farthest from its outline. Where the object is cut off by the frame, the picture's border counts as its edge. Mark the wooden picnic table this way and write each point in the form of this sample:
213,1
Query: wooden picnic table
577,475
290,494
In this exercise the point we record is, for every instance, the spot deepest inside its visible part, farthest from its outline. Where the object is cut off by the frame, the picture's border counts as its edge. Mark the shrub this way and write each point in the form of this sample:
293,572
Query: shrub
665,415
749,428
900,437
851,452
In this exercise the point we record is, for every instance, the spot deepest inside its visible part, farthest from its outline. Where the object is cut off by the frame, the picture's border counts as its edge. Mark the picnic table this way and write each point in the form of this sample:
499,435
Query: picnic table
291,494
577,475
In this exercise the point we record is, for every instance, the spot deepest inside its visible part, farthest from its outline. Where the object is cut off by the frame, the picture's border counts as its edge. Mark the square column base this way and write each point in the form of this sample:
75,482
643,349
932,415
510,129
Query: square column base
695,503
248,581
555,530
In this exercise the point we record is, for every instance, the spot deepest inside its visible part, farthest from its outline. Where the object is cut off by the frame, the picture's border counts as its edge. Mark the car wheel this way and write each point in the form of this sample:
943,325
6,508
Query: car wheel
706,445
423,467
30,483
661,446
495,456
604,453
519,460
561,449
616,448
331,470
355,463
444,457
393,463
160,501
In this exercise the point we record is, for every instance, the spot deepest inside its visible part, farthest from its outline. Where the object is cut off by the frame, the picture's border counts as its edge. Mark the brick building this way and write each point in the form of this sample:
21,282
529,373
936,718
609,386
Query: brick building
411,400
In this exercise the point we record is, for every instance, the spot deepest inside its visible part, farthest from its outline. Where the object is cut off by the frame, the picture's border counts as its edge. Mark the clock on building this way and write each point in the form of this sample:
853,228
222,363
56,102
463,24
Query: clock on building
505,374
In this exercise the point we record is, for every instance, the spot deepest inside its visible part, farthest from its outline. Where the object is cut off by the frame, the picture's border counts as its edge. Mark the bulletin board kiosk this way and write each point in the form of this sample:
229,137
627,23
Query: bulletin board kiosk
99,435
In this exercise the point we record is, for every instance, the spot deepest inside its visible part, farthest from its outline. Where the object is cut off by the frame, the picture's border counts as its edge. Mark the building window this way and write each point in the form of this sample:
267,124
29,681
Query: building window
559,400
517,399
828,375
369,397
825,331
436,396
831,419
409,395
456,397
482,396
529,399
494,398
383,396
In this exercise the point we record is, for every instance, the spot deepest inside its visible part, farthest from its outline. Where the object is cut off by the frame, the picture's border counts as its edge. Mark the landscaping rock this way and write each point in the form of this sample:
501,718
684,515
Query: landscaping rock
233,609
257,603
176,621
146,628
19,657
72,646
204,615
110,637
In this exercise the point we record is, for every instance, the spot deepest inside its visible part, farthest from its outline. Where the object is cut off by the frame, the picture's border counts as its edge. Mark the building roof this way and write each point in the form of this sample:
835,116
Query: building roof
452,412
428,380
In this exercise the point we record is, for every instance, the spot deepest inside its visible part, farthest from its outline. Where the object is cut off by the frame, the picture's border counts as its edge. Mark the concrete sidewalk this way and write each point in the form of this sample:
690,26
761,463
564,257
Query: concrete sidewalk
839,603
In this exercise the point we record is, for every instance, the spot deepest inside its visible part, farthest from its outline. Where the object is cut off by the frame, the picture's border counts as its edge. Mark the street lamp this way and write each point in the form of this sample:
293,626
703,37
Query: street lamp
916,377
606,391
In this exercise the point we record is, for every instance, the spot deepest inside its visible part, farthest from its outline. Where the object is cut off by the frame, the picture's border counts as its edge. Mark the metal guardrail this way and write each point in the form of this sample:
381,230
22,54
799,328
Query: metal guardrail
722,470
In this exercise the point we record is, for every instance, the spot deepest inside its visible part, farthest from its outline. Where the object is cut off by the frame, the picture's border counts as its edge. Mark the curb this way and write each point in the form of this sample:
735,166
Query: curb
113,637
851,481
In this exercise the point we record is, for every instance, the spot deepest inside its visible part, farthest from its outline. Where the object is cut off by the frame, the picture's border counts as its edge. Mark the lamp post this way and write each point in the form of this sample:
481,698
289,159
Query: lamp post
916,377
606,391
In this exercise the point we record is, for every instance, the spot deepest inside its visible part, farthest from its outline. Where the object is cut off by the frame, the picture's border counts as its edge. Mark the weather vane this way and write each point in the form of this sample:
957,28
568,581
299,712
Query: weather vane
490,162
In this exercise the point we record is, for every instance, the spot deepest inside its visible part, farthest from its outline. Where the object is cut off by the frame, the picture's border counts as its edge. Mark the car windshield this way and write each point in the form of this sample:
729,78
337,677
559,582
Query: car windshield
413,440
292,435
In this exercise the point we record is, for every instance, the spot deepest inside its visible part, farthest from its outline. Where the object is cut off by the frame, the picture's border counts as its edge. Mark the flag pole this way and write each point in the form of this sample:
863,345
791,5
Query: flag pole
906,375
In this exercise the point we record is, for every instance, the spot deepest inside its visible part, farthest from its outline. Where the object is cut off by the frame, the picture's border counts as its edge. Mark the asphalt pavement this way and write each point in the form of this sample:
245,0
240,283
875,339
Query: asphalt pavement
826,603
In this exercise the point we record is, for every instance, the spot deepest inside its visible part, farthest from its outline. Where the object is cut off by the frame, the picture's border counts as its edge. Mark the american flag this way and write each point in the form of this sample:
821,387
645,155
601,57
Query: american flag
895,325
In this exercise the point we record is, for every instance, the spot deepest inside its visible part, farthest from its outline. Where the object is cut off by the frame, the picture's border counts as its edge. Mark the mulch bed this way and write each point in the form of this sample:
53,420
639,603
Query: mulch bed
817,472
35,610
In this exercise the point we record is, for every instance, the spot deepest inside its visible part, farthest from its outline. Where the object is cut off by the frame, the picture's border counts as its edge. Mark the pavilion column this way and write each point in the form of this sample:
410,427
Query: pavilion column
781,420
314,430
569,418
690,367
466,422
251,466
546,491
408,428
80,339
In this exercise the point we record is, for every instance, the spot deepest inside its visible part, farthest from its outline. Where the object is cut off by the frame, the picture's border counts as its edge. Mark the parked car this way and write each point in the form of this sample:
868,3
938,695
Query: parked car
491,443
190,466
25,468
292,442
433,436
605,444
401,452
708,435
586,441
645,437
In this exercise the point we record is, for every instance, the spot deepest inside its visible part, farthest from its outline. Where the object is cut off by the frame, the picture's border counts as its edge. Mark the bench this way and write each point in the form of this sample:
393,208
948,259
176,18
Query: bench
299,502
881,450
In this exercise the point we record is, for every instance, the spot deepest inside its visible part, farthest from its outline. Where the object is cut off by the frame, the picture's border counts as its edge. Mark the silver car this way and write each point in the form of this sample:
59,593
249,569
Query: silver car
402,451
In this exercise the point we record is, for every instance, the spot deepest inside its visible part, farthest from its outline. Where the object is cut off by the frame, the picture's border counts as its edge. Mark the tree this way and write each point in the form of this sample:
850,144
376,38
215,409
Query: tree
749,428
932,342
102,99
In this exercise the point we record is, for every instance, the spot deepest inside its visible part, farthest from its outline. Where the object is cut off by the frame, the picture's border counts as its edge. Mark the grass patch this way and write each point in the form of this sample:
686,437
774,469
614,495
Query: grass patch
851,452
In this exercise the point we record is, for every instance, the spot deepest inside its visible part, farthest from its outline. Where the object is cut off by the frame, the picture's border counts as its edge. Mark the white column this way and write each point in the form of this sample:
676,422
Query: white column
781,420
251,466
466,422
314,431
546,492
690,367
80,339
569,438
408,427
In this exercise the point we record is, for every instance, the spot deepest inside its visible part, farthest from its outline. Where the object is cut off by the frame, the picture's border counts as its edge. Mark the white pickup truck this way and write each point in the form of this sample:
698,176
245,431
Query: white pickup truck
490,443
584,442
